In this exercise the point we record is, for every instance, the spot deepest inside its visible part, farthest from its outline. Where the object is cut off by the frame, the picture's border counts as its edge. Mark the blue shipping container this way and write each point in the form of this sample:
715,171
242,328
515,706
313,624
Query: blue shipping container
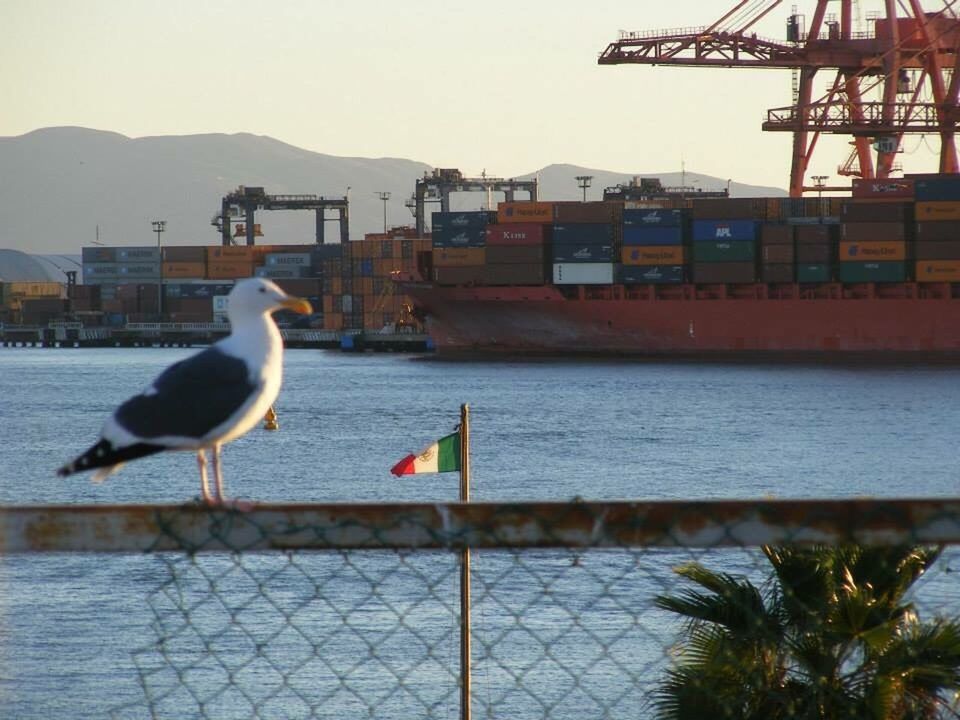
941,188
724,230
582,252
447,221
652,217
652,235
475,236
594,233
641,274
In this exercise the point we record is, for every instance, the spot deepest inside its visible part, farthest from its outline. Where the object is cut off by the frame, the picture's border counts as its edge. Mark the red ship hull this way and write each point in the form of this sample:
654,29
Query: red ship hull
907,322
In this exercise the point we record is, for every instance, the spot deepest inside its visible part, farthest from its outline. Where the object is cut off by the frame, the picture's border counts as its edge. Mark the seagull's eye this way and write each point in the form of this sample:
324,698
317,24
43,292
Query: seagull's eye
263,290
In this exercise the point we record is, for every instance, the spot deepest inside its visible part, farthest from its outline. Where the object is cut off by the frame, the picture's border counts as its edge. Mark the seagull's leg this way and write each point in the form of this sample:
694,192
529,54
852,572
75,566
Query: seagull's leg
218,474
204,488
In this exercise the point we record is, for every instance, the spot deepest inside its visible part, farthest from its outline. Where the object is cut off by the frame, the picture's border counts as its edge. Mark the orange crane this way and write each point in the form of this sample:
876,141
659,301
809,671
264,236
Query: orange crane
900,77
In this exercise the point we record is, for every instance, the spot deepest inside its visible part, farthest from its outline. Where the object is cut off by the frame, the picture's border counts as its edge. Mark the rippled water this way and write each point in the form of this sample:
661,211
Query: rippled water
545,430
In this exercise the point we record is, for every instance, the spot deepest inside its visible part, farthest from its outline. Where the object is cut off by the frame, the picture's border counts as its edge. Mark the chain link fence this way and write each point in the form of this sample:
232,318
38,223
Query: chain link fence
577,610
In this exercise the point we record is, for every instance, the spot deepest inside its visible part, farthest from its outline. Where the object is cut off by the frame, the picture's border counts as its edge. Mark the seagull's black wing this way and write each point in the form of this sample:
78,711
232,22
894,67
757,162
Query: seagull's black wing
189,398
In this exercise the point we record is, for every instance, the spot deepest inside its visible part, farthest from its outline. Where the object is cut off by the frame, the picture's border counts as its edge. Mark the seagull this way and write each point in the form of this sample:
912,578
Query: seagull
206,400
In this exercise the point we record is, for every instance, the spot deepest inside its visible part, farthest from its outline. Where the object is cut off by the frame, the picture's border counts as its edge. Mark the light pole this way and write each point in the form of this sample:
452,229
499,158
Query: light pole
583,182
384,196
158,227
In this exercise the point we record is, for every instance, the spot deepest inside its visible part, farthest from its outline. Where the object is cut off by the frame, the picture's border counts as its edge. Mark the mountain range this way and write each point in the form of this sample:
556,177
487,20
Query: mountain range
63,188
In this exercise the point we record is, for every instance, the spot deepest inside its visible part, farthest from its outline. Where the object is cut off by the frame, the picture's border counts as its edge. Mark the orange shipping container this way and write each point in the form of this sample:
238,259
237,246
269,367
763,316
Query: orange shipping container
459,257
335,284
937,210
653,255
515,212
226,269
938,271
363,286
183,269
869,251
230,252
333,321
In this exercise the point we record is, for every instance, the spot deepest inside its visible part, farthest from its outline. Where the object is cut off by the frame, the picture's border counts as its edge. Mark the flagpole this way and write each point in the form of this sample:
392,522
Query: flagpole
465,568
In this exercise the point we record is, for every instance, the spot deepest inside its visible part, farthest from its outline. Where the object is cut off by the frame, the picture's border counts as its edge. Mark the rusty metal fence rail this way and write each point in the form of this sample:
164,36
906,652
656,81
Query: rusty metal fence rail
579,609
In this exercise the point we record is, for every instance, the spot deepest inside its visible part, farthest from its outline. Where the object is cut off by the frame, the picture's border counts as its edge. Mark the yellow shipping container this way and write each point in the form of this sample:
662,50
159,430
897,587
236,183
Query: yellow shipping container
230,252
653,255
183,270
28,289
938,271
937,210
459,257
229,269
521,212
867,251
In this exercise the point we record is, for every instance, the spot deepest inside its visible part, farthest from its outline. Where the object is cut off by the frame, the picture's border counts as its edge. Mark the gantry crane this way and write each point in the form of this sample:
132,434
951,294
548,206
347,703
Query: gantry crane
900,77
246,200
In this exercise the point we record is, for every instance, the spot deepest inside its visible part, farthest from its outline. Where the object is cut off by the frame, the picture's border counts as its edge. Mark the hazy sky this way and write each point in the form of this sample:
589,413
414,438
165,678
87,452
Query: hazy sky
506,87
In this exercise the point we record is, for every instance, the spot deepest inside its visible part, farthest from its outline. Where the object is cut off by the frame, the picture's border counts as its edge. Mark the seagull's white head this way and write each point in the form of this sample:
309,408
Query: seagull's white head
253,297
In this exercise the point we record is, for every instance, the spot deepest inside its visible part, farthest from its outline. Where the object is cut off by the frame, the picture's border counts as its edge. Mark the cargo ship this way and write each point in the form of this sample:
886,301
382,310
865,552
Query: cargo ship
870,277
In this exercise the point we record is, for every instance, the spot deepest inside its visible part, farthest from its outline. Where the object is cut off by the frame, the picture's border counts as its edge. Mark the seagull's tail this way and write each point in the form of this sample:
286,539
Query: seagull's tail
104,455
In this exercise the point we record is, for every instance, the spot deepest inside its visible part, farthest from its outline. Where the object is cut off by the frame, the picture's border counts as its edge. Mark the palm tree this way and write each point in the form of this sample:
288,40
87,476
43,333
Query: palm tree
830,635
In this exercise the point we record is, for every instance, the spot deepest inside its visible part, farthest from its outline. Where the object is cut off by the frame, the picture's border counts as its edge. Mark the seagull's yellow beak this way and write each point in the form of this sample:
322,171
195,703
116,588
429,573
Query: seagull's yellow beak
297,305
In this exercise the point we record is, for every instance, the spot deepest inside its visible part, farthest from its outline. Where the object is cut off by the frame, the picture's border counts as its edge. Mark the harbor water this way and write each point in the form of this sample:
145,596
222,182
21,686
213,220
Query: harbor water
540,431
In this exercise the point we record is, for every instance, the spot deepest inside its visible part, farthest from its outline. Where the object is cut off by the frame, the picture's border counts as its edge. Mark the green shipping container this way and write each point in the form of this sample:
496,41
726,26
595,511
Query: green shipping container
859,272
724,251
807,273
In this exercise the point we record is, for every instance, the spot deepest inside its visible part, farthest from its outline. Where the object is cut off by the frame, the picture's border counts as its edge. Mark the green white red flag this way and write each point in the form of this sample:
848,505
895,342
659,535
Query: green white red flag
442,456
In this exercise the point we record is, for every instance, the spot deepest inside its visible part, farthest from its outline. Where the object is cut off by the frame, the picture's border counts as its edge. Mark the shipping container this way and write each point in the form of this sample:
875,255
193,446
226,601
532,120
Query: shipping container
184,254
856,211
651,274
888,188
517,234
653,218
814,272
233,253
228,269
776,234
724,272
733,251
815,254
97,254
938,270
864,251
183,269
777,272
943,230
459,257
939,188
653,235
96,273
813,234
138,254
777,254
938,210
138,271
653,255
599,212
272,272
527,254
583,273
729,209
475,236
471,275
937,250
525,212
872,232
859,272
287,259
710,230
584,252
455,221
516,274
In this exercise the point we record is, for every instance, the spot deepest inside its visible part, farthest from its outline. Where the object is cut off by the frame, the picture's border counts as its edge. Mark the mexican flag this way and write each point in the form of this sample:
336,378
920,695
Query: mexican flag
442,456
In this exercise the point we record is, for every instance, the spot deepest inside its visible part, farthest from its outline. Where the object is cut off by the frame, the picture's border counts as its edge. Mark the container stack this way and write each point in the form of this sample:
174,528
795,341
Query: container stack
777,253
460,246
31,303
517,253
937,247
815,252
586,242
873,242
725,239
654,246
